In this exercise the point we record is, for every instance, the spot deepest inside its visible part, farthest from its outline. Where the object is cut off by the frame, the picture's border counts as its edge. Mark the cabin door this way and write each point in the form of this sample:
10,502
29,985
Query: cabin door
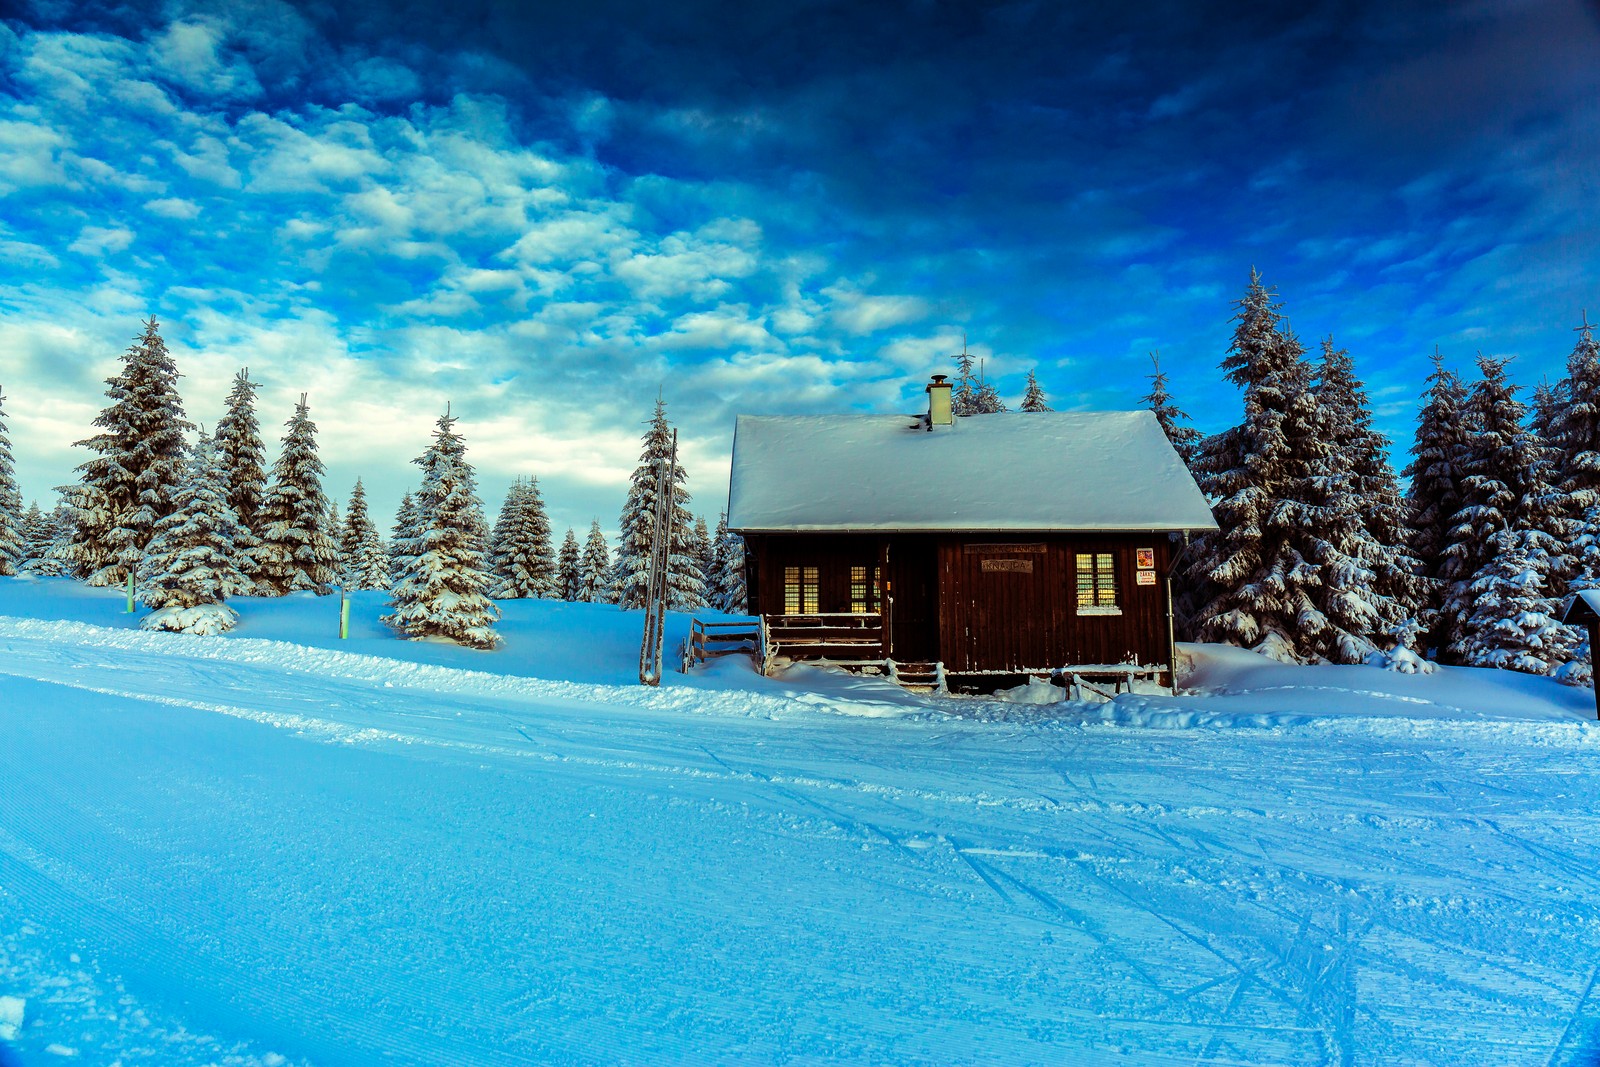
914,613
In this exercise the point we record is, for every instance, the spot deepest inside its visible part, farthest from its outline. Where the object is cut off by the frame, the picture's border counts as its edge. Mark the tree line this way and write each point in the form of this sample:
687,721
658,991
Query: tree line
195,518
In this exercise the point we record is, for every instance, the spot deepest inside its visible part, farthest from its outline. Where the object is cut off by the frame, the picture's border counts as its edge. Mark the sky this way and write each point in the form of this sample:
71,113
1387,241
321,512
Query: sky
548,214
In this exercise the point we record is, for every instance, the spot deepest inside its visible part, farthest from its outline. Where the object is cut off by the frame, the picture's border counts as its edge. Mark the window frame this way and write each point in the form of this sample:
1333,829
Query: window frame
1101,570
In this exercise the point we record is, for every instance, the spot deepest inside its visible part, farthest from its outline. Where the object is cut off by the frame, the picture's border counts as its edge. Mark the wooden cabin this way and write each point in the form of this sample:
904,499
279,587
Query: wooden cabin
974,548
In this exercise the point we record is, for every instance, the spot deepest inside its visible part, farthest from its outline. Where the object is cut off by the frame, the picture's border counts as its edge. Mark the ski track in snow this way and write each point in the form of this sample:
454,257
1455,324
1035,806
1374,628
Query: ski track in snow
429,865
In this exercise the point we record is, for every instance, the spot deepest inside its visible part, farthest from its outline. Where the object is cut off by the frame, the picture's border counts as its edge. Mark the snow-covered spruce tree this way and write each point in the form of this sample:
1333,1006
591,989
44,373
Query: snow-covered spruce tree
685,584
524,558
1261,562
38,534
407,535
188,567
1174,420
594,569
1369,589
1544,410
1576,429
964,396
296,550
1512,624
1033,398
1493,473
731,596
53,561
701,548
132,481
1434,493
13,535
988,401
241,452
444,590
569,573
363,563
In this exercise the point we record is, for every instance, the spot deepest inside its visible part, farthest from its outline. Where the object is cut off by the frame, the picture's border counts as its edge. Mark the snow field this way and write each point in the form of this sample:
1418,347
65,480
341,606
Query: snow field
431,864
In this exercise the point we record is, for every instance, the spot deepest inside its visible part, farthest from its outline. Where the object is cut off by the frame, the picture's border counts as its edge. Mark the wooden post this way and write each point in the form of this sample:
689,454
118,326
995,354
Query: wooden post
1593,626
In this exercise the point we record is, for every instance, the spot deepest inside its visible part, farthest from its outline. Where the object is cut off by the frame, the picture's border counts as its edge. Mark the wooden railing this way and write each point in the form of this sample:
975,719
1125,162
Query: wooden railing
720,637
843,636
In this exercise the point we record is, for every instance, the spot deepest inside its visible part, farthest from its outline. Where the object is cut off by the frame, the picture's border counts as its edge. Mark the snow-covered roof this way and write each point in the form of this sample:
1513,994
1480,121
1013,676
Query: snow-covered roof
1081,470
1589,598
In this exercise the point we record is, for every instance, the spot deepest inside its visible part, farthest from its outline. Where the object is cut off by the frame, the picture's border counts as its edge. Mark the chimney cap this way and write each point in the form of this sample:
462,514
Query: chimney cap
939,379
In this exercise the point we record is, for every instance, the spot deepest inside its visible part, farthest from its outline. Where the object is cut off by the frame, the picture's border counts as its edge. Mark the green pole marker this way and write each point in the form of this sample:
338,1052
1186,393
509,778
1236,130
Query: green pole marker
130,592
344,615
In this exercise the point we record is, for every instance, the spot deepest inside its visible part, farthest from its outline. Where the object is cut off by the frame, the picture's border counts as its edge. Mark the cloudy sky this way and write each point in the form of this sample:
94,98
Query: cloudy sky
543,213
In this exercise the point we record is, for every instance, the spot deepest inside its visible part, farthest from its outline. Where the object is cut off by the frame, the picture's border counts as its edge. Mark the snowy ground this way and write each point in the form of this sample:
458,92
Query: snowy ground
277,848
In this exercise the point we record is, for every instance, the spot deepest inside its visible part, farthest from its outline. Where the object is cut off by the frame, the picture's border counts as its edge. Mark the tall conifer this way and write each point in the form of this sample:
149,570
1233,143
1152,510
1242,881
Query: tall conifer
297,551
685,584
595,573
13,531
133,480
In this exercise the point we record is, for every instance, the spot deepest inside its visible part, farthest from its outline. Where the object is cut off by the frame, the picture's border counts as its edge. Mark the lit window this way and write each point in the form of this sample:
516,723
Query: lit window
800,590
864,598
1097,584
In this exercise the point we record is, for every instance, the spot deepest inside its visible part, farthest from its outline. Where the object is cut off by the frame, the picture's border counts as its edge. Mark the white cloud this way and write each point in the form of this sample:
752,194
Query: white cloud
173,207
101,240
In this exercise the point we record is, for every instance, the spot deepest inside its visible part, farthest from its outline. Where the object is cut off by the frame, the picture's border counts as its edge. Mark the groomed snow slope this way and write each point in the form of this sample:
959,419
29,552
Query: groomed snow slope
243,850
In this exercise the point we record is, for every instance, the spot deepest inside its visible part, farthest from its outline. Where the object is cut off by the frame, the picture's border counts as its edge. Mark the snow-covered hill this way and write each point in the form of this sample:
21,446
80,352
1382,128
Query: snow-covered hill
276,847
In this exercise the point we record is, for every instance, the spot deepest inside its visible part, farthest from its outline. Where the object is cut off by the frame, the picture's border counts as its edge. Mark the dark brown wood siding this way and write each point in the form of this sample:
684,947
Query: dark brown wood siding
982,602
1009,603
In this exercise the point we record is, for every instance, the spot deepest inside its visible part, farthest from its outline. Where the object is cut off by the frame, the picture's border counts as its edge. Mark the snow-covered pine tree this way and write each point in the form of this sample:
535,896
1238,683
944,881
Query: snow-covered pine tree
524,559
730,585
1544,410
1434,493
132,481
444,590
1033,398
1174,420
13,535
1261,561
1512,622
988,401
964,397
407,532
685,584
38,534
1369,586
52,561
188,569
1493,472
1576,426
500,532
296,551
363,563
701,548
569,573
241,451
595,568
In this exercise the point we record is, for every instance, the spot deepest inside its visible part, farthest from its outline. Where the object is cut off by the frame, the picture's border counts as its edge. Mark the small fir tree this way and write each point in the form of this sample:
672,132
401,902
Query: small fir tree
131,482
296,551
595,568
38,534
569,570
524,559
444,591
964,397
13,533
407,531
188,569
1033,398
1576,427
685,585
363,563
988,401
731,595
1174,421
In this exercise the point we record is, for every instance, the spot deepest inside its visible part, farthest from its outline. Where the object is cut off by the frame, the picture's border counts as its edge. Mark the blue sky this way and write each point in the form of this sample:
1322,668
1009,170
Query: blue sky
544,213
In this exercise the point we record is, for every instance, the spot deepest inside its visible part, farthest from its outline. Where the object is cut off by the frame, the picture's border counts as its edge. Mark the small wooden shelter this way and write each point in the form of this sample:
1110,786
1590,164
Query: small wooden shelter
1584,610
968,548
